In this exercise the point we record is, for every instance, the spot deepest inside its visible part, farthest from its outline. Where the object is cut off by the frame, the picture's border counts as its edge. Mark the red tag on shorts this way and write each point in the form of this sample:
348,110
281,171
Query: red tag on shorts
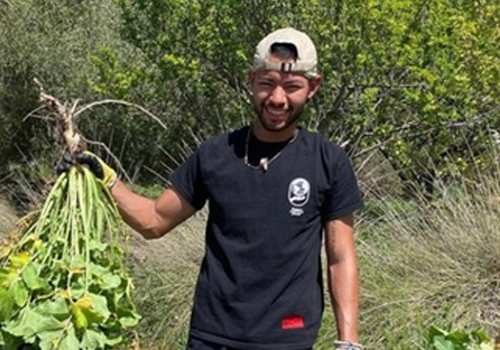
292,322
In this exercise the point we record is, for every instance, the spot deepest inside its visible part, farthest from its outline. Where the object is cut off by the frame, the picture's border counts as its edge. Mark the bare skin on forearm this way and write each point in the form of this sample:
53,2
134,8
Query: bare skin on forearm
151,218
343,276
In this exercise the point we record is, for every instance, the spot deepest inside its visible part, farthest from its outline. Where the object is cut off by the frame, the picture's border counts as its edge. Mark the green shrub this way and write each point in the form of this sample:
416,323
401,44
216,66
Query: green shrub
449,339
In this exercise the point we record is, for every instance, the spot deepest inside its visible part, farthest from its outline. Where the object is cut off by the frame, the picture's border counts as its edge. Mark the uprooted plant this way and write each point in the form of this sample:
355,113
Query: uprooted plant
63,282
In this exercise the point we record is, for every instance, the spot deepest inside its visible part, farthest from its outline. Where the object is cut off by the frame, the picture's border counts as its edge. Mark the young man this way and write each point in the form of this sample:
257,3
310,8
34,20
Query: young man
272,189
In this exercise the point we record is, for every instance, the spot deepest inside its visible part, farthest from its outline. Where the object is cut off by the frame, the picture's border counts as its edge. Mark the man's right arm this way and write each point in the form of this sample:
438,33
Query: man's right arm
151,218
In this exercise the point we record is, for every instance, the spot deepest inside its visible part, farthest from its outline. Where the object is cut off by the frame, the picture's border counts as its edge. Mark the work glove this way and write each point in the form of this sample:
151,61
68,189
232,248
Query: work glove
98,167
346,345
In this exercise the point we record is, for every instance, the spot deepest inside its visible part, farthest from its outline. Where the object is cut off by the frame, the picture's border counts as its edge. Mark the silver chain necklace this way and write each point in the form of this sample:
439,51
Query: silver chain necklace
264,162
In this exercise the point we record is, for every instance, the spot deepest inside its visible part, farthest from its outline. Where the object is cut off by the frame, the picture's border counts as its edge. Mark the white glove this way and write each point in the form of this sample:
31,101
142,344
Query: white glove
347,345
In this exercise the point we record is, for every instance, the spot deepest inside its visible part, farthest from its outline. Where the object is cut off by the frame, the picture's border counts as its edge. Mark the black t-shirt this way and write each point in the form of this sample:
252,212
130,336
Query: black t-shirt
260,283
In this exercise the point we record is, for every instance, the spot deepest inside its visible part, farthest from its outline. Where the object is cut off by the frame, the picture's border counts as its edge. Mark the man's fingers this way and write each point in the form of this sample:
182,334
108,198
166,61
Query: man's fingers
67,158
84,159
62,167
92,162
65,164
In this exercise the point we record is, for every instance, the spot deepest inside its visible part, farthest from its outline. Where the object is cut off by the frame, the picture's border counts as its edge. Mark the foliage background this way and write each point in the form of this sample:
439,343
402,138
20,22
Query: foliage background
414,80
411,90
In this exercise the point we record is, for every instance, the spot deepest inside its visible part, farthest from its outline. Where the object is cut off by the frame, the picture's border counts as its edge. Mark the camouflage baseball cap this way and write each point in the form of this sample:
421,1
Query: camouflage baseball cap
306,52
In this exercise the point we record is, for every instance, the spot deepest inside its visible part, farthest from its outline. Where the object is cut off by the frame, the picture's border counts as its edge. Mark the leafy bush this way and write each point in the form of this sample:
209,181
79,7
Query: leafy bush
415,79
55,43
441,339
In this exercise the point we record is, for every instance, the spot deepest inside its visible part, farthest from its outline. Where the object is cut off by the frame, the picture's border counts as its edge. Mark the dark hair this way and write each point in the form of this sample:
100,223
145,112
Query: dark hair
284,51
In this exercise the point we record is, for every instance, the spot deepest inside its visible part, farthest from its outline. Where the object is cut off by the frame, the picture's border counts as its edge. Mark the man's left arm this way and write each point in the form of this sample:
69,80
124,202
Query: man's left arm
343,276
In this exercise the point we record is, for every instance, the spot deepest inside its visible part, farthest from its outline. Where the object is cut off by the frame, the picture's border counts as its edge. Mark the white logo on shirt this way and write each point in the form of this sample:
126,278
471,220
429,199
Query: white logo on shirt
298,192
296,212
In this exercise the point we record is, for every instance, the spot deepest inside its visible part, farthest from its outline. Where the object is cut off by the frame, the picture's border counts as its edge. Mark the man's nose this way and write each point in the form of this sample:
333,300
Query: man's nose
278,96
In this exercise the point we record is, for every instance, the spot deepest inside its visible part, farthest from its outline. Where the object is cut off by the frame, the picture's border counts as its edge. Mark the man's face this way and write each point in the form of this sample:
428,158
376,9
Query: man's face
280,97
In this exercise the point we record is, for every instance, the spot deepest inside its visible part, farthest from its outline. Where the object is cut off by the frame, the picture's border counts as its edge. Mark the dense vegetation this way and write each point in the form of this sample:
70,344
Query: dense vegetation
415,80
411,90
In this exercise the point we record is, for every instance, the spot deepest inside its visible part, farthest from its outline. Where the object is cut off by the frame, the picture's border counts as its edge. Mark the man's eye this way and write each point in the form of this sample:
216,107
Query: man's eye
265,83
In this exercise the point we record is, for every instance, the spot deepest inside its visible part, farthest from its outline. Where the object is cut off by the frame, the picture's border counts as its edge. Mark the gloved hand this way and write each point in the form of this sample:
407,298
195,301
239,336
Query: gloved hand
100,169
345,345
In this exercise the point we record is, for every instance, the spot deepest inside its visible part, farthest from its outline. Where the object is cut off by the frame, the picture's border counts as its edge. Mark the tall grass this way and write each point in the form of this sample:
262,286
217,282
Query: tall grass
8,216
430,263
165,273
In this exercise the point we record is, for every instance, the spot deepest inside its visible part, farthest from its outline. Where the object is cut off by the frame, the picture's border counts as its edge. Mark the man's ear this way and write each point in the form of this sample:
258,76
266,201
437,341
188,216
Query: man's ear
314,85
251,76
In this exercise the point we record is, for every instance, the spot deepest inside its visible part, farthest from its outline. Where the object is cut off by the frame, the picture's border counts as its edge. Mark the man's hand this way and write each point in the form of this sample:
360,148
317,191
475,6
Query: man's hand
100,169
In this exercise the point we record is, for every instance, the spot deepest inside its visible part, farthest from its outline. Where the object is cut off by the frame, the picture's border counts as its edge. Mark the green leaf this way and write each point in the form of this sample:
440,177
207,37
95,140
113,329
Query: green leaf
20,259
79,318
435,331
47,323
20,326
6,304
78,263
49,339
100,306
20,293
57,308
31,278
128,322
98,270
114,341
93,340
7,276
70,341
443,344
89,309
459,338
30,323
97,245
110,281
78,293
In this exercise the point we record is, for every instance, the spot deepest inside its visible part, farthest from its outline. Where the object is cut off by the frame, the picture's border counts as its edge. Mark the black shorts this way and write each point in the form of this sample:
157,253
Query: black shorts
198,344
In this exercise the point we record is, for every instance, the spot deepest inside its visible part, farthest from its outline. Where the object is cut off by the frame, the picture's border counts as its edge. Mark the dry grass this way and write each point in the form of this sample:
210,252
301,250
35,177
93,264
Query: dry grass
165,273
8,216
428,264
